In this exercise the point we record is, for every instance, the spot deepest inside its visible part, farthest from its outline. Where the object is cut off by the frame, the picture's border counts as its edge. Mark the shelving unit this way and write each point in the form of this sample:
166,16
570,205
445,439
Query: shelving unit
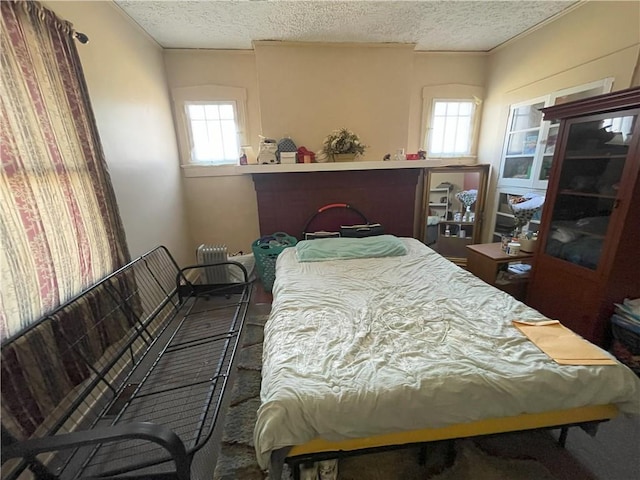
435,202
454,245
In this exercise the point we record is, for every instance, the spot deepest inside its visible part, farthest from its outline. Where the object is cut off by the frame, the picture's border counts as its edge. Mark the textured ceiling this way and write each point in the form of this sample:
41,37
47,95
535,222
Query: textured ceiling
432,25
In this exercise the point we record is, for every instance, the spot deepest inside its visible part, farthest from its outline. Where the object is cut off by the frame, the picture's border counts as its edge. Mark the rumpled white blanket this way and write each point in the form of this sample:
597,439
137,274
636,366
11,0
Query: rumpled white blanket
356,348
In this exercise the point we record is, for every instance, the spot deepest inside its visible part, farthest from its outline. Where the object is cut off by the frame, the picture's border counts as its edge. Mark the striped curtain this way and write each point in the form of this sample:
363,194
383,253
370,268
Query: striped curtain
60,230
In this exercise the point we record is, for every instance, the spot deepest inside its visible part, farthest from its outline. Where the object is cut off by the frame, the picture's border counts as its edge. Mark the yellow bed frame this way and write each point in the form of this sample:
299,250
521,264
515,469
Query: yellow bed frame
529,421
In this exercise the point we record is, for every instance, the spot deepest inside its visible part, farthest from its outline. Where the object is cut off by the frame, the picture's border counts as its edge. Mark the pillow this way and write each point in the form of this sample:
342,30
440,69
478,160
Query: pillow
344,248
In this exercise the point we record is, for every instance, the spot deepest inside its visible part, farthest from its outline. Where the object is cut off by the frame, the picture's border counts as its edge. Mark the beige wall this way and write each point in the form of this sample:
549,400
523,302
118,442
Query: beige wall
305,91
124,70
308,90
440,70
221,210
592,42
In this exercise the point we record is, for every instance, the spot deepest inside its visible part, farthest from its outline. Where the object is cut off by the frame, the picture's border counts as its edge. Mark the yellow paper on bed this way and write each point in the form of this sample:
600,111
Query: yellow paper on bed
561,344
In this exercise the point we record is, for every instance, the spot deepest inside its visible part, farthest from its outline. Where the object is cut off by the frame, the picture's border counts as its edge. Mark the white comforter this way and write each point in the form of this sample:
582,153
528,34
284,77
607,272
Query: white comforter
356,348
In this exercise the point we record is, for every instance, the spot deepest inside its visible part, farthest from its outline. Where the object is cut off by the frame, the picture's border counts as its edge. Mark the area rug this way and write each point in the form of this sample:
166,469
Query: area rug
489,458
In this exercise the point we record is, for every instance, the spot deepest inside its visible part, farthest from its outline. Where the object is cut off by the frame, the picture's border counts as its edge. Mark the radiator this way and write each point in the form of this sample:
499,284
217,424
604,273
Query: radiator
212,254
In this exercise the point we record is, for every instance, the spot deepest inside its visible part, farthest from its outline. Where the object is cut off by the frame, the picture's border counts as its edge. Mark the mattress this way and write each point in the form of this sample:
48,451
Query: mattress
365,347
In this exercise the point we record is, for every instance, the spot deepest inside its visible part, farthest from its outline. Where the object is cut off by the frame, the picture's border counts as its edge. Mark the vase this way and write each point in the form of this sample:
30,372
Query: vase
467,214
344,157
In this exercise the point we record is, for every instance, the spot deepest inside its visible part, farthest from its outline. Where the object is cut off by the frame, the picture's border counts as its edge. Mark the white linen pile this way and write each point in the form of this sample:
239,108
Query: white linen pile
355,348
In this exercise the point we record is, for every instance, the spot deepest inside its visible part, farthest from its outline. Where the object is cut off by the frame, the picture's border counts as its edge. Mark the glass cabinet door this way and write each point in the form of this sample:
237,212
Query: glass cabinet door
590,174
550,135
522,142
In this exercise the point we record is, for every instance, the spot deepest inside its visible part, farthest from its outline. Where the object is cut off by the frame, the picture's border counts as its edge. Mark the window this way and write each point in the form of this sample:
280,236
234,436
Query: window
451,119
451,127
213,132
530,141
211,124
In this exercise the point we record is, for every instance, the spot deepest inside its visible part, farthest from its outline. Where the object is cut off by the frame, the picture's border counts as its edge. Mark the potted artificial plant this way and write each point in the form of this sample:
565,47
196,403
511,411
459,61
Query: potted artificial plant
342,145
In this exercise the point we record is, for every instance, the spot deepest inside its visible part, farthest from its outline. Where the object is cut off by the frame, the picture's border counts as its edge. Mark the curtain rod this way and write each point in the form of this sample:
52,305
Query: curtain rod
43,13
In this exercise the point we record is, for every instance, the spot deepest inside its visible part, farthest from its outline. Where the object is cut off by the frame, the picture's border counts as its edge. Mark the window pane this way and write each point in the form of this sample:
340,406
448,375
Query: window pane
518,167
215,137
547,161
451,125
437,143
523,143
465,108
230,140
196,112
212,112
572,97
200,140
226,112
440,108
527,116
552,138
449,135
452,109
437,135
462,137
214,133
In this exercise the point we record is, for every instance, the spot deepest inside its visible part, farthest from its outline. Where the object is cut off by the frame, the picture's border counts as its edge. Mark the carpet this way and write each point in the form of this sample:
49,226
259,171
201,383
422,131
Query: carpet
515,456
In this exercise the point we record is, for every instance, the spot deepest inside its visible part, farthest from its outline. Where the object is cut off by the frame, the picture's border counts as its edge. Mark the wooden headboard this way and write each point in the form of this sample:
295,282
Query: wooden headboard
287,200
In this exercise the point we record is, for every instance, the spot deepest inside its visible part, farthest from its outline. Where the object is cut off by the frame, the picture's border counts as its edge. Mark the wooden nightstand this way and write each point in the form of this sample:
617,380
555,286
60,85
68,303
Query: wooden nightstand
487,260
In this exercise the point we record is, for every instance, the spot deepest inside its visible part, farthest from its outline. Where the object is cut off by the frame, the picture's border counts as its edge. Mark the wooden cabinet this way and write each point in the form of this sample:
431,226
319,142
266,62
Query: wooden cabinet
490,263
588,256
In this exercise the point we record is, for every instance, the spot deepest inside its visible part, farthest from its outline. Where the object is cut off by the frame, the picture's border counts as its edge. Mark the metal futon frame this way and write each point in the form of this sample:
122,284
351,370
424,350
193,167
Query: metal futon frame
125,380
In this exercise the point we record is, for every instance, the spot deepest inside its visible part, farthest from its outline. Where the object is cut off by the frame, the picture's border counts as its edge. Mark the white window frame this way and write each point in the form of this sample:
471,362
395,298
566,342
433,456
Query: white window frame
543,129
203,95
451,93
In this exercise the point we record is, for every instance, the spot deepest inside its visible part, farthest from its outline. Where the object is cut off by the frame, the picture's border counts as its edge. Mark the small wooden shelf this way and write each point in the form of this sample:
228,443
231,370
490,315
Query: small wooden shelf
456,222
585,194
487,260
594,155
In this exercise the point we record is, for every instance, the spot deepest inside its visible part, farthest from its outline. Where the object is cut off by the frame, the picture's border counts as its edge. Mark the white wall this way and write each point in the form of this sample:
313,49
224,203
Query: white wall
125,74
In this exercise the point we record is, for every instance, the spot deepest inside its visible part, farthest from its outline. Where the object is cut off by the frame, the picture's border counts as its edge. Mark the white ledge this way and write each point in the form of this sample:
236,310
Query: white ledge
231,170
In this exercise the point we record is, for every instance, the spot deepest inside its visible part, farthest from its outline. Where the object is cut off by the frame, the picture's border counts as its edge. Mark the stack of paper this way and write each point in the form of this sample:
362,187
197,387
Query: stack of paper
519,268
562,345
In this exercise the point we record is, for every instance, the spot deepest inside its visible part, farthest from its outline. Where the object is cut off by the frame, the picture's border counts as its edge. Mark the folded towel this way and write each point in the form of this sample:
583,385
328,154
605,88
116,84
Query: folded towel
562,345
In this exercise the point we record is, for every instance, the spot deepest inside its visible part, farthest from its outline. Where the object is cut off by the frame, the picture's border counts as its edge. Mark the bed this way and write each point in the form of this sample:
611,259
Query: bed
391,350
